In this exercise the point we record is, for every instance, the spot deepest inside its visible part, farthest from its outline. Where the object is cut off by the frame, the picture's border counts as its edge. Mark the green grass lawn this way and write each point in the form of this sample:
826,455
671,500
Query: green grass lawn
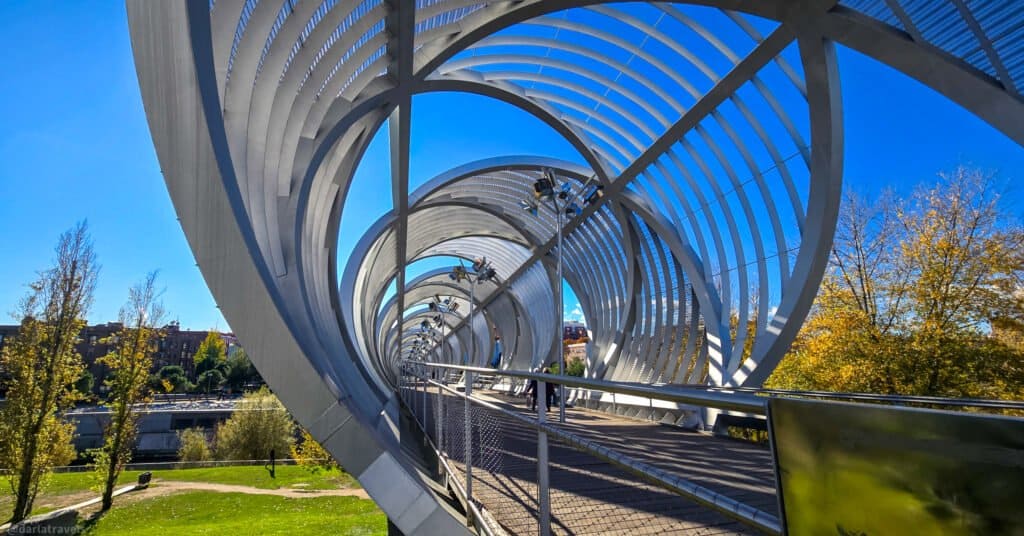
286,476
65,483
59,486
201,512
56,486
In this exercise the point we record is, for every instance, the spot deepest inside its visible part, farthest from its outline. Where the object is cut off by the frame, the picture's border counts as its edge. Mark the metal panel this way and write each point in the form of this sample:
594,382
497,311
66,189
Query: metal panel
867,469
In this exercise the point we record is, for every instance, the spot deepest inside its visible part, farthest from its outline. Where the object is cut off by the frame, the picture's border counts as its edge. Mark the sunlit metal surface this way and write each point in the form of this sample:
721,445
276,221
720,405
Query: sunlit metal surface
714,125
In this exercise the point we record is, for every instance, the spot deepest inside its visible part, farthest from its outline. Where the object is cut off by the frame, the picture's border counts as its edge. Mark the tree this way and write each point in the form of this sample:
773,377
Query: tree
211,354
963,256
192,446
129,362
922,297
240,371
84,384
173,375
259,425
868,274
43,366
210,381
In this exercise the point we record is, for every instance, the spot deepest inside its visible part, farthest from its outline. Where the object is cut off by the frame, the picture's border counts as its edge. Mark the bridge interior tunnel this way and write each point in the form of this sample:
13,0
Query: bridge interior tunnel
454,218
715,128
698,264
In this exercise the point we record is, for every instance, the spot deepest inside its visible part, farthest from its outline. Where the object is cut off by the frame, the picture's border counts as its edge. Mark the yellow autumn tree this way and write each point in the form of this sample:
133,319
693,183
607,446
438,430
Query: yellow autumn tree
311,455
922,297
41,367
129,361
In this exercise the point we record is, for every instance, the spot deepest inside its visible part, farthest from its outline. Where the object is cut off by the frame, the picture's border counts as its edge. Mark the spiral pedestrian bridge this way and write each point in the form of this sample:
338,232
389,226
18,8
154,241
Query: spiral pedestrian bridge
713,130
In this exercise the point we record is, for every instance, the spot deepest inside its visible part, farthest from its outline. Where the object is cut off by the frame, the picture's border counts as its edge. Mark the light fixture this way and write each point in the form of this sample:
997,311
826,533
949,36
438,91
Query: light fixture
564,191
573,210
529,205
482,271
458,274
544,188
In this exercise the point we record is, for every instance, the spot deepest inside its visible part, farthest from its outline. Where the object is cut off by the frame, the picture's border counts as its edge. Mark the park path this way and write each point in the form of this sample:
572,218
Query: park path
162,487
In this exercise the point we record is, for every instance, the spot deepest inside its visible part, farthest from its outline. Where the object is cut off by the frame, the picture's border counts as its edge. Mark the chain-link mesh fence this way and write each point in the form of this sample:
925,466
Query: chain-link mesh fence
589,493
503,479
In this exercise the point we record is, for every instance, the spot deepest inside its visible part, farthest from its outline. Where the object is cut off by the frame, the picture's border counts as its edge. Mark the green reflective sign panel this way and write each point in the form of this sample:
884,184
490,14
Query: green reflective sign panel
865,470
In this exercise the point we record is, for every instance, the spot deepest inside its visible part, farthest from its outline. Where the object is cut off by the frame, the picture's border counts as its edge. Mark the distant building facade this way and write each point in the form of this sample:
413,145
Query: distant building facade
576,351
176,347
575,331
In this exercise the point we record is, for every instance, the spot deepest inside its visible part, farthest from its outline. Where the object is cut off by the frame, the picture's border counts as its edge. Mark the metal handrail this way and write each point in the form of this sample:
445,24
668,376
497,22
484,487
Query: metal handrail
721,503
743,399
872,397
722,400
477,516
746,399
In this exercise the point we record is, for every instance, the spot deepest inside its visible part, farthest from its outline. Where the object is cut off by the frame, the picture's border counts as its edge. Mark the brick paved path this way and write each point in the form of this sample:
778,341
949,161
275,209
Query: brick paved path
590,496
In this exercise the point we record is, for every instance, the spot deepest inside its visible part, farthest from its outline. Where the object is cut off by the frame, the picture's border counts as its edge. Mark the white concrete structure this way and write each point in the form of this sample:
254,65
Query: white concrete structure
721,194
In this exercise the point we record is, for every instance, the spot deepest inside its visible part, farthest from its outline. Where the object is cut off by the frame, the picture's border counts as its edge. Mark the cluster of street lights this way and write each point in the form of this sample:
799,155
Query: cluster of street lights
564,205
441,307
482,271
421,345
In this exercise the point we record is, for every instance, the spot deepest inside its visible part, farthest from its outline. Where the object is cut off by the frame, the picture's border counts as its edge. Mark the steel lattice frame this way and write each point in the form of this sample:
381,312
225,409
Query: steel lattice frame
705,254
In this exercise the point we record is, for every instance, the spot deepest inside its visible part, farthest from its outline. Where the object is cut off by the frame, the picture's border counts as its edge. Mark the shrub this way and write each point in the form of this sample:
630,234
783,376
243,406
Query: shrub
193,446
575,367
312,456
259,425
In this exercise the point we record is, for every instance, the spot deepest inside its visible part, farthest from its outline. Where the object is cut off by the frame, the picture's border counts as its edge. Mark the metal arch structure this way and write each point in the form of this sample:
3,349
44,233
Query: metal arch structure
719,146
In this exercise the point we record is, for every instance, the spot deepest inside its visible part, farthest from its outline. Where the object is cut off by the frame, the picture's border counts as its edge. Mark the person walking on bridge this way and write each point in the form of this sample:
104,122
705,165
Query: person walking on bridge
531,391
549,391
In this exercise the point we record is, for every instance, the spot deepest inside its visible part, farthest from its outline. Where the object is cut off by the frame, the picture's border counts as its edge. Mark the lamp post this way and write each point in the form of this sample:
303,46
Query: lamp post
563,203
442,307
482,271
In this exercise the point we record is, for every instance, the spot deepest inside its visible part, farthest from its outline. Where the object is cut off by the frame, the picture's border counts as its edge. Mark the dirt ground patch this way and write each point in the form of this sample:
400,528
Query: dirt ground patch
164,487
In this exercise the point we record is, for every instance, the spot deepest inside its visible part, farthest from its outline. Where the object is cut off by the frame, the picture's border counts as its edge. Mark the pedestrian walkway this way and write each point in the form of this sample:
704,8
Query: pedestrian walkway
591,496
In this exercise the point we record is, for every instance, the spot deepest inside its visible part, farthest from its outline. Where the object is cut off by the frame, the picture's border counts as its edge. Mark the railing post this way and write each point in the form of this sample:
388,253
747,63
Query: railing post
423,380
468,439
543,484
438,416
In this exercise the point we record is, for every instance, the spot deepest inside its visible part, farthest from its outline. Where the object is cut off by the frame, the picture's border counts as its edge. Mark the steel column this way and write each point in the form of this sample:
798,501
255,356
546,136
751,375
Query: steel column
543,481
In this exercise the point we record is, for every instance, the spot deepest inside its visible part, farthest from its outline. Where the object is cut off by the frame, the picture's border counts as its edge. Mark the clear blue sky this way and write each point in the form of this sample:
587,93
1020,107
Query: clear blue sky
74,145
